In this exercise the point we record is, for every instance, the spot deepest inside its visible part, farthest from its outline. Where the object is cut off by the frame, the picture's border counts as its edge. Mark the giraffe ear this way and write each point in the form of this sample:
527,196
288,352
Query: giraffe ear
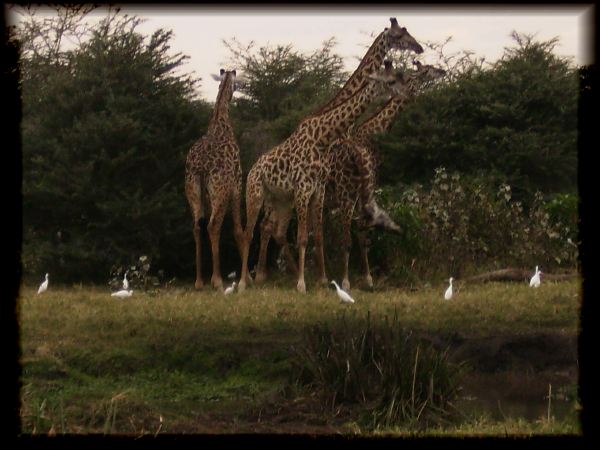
215,77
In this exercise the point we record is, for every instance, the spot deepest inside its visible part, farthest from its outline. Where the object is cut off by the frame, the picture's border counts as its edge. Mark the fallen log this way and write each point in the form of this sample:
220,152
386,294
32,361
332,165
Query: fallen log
512,274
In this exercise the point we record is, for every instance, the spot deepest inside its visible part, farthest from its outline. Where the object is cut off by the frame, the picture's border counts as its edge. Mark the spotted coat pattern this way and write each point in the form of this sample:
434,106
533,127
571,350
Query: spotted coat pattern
213,180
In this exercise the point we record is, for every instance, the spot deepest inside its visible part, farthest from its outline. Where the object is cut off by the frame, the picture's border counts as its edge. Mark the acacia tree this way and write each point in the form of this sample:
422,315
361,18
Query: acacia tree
104,142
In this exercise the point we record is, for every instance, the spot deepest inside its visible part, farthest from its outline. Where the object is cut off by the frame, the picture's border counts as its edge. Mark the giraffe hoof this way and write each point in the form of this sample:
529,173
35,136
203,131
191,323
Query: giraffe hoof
260,277
346,285
241,286
198,285
301,287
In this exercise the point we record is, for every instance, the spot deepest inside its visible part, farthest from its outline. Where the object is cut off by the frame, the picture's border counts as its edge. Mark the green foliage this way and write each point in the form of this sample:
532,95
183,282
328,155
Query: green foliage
104,142
515,122
282,86
380,365
461,225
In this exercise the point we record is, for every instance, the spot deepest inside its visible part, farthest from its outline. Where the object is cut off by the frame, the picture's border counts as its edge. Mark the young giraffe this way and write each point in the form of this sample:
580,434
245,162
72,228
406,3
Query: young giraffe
213,178
395,37
352,183
294,173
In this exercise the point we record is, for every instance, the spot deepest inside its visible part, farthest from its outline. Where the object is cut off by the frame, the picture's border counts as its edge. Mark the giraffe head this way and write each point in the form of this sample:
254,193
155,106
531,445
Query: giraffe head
391,79
427,72
423,75
229,82
399,38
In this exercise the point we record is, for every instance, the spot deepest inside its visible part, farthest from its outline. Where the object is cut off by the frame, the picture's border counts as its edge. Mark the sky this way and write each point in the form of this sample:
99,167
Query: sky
485,30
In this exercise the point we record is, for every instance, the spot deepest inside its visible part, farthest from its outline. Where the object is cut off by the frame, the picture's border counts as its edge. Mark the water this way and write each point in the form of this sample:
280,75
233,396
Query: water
520,395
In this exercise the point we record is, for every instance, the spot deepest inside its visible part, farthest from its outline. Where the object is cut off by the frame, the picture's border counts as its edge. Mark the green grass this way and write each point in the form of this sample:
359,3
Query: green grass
179,361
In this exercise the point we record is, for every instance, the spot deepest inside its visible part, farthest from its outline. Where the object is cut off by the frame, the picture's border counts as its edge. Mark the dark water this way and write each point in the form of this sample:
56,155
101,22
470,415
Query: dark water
520,395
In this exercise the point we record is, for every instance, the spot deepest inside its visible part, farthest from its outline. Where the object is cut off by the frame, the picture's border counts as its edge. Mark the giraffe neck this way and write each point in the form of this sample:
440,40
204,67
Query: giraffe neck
380,121
372,61
333,123
221,111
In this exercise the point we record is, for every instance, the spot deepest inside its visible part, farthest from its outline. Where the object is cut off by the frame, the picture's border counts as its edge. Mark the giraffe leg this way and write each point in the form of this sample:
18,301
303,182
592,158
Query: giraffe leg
219,207
283,220
266,230
238,231
302,205
363,245
317,226
346,243
194,197
254,201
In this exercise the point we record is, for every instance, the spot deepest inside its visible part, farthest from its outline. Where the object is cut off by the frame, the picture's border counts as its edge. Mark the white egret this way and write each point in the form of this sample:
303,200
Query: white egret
448,294
344,296
230,289
44,286
232,275
535,279
123,293
125,282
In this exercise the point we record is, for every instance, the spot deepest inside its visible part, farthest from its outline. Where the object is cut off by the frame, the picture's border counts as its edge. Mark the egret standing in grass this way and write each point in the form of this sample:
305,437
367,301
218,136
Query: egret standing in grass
535,279
123,293
448,294
230,289
125,282
343,295
44,286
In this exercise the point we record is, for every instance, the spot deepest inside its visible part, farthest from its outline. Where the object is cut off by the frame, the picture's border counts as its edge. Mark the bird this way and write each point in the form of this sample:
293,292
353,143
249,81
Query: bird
448,294
230,289
44,286
535,279
344,296
232,275
123,293
125,282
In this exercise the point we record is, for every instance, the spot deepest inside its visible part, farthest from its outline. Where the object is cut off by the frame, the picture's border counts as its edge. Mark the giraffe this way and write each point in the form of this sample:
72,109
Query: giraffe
394,37
352,183
293,174
213,178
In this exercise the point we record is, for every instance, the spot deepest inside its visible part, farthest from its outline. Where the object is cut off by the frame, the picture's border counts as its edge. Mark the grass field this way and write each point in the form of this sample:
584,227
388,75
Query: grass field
180,361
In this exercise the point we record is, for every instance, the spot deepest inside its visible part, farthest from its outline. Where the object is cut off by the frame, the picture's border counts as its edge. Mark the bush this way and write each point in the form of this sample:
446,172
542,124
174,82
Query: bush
464,225
394,377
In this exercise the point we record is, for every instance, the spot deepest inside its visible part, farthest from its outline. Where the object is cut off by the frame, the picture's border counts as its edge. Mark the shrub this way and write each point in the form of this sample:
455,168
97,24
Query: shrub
381,367
463,225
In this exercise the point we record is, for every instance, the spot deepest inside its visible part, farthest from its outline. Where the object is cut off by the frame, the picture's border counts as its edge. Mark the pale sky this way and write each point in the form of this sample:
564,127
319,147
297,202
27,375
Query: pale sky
485,30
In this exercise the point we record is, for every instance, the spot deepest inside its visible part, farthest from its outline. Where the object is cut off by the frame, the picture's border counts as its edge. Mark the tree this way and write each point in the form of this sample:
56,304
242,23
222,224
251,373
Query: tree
515,121
104,144
282,86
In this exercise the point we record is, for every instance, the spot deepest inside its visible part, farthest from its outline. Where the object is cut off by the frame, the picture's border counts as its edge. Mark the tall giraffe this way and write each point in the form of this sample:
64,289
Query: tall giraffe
213,179
352,178
353,182
394,37
294,173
